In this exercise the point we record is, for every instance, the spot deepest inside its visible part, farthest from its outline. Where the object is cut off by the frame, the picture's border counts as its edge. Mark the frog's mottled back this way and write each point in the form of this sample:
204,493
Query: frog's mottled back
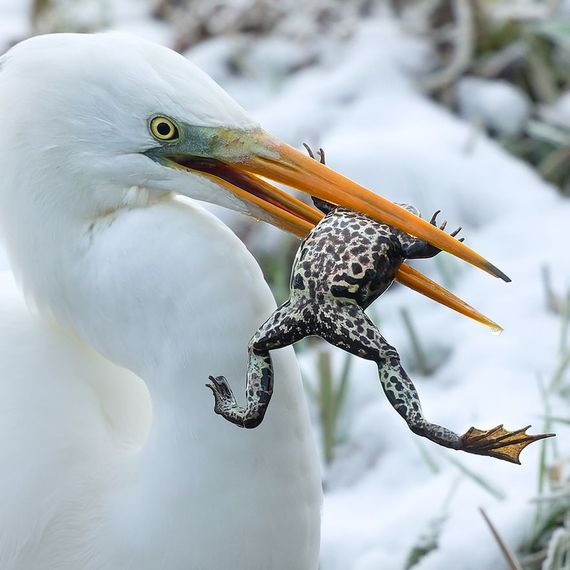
349,256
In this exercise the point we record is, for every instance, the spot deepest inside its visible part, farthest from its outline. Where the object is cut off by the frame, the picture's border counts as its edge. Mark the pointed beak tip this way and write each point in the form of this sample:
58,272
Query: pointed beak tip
496,271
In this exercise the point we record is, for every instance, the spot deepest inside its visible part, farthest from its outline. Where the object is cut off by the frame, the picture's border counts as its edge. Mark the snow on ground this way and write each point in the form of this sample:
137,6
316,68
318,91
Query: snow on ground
361,103
559,112
497,103
13,22
363,107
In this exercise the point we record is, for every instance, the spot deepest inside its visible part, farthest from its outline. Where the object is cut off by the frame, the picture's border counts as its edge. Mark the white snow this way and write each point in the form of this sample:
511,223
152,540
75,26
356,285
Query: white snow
359,100
13,22
559,112
496,103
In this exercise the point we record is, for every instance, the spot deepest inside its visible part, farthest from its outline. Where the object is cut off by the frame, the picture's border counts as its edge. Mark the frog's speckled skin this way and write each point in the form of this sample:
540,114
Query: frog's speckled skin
345,263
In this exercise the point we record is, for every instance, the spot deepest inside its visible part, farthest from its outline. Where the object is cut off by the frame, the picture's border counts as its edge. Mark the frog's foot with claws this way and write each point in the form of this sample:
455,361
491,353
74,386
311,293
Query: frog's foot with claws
499,442
226,405
224,398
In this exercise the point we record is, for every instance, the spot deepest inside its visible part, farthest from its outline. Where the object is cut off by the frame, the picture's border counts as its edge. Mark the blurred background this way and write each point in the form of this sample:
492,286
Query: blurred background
459,105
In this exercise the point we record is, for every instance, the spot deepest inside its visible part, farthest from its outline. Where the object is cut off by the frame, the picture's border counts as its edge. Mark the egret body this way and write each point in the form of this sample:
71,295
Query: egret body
96,472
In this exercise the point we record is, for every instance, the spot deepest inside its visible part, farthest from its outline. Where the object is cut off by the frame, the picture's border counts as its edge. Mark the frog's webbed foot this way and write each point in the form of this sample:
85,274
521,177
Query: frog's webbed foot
499,442
418,249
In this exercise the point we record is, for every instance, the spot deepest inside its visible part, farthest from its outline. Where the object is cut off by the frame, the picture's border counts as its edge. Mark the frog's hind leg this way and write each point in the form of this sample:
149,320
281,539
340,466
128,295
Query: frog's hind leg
346,325
287,325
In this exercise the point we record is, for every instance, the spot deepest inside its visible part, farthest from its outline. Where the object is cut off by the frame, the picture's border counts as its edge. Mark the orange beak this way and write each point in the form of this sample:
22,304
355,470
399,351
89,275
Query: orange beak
415,280
244,161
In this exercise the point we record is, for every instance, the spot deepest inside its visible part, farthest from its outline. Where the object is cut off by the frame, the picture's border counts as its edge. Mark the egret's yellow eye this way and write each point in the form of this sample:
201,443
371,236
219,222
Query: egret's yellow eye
163,129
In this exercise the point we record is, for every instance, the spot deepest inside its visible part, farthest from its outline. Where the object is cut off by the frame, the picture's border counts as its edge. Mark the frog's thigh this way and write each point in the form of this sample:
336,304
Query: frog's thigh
288,324
349,328
346,325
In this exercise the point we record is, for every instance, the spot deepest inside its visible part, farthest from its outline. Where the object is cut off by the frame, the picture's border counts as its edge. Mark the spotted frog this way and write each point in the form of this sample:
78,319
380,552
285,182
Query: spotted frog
346,262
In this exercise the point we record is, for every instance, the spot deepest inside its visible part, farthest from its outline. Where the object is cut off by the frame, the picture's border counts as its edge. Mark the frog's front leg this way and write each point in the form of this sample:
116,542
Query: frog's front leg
286,326
322,205
415,248
259,389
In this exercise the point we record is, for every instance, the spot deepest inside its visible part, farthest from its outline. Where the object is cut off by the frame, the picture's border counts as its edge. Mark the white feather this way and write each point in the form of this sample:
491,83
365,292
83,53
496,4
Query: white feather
110,454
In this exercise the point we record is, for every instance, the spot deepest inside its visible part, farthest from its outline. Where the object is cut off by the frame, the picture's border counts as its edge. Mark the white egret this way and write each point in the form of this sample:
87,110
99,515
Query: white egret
138,298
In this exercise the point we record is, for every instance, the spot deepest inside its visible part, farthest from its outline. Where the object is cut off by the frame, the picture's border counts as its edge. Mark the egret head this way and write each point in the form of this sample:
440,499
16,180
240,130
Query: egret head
92,116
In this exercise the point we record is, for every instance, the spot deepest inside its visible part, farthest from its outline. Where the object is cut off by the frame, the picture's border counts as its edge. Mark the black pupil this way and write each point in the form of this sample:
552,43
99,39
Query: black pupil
164,129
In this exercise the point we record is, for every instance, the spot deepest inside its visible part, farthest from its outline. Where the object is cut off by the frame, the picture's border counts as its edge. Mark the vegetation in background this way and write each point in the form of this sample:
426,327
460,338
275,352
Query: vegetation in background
523,43
49,16
328,396
196,21
548,544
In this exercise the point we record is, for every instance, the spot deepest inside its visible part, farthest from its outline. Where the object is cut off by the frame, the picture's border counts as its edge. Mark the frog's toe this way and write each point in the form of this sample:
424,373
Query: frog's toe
223,394
433,220
455,232
220,385
499,442
443,225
